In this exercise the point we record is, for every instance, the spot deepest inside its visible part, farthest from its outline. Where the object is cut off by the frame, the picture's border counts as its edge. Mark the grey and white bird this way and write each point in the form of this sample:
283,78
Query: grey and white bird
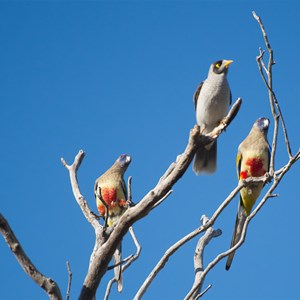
212,99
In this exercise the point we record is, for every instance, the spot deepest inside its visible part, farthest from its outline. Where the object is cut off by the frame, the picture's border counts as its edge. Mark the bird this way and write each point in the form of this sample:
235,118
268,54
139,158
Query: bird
211,100
253,160
111,200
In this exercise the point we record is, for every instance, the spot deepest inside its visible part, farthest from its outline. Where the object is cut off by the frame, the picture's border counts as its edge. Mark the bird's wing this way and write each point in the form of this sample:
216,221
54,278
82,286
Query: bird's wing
196,94
269,156
238,163
96,187
269,159
124,188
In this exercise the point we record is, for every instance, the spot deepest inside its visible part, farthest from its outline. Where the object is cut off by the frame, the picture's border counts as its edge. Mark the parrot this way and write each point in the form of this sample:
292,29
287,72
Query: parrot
211,100
111,188
253,160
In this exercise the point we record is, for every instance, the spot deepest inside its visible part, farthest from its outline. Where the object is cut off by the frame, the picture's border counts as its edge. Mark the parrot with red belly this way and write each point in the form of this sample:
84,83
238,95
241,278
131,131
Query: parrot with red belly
253,159
111,189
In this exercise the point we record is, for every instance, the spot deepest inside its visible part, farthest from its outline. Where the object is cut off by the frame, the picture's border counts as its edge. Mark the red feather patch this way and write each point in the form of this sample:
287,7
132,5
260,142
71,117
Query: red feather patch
109,195
256,167
122,203
101,209
244,174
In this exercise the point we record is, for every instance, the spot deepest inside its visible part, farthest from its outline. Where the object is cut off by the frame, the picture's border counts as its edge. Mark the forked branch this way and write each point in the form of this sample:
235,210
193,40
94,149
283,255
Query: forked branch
195,292
274,104
129,261
198,257
276,176
87,212
269,194
103,252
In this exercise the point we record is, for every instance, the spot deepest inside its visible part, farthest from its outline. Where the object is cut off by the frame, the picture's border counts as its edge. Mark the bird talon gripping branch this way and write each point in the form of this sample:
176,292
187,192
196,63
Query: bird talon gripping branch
223,122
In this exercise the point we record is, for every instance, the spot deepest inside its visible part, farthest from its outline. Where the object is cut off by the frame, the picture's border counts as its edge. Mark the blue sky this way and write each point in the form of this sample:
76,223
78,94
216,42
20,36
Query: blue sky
114,77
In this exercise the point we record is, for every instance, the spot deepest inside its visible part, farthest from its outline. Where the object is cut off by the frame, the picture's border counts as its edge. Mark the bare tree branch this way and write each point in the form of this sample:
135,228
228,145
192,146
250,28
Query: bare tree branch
163,199
69,281
129,200
275,176
194,293
204,292
104,249
198,256
159,266
106,241
47,284
87,212
269,194
272,97
130,259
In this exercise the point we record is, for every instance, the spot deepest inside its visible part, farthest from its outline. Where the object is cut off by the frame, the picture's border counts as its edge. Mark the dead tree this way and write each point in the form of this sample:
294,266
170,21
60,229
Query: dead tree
105,244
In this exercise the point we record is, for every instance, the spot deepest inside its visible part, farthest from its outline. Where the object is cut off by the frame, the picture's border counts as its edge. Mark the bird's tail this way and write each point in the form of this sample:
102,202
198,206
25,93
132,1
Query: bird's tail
118,269
206,159
238,228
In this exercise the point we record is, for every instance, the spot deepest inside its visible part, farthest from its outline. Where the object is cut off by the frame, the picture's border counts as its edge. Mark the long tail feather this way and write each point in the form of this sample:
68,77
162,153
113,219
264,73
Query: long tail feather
118,269
238,227
206,159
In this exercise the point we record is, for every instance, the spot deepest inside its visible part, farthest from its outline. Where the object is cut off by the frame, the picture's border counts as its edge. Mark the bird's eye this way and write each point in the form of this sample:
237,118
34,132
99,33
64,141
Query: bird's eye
218,65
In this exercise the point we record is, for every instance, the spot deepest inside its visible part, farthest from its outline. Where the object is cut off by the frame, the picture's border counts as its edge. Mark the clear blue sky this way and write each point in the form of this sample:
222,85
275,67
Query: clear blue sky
114,77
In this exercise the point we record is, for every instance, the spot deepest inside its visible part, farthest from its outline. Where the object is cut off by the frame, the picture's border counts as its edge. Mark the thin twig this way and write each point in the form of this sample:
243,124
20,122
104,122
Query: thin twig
130,259
108,288
69,281
159,266
269,84
129,200
167,172
269,194
204,292
87,212
48,284
163,198
126,259
198,256
286,139
260,57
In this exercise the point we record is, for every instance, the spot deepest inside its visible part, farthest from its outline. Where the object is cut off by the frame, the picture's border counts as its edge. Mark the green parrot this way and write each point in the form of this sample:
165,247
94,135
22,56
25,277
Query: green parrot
111,188
253,159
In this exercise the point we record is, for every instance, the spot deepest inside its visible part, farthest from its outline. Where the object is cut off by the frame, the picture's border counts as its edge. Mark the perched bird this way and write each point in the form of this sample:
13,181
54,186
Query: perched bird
111,189
211,99
253,160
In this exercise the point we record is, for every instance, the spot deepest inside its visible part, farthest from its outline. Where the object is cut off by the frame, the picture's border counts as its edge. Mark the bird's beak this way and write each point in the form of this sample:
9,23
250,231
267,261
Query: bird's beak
227,63
266,123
